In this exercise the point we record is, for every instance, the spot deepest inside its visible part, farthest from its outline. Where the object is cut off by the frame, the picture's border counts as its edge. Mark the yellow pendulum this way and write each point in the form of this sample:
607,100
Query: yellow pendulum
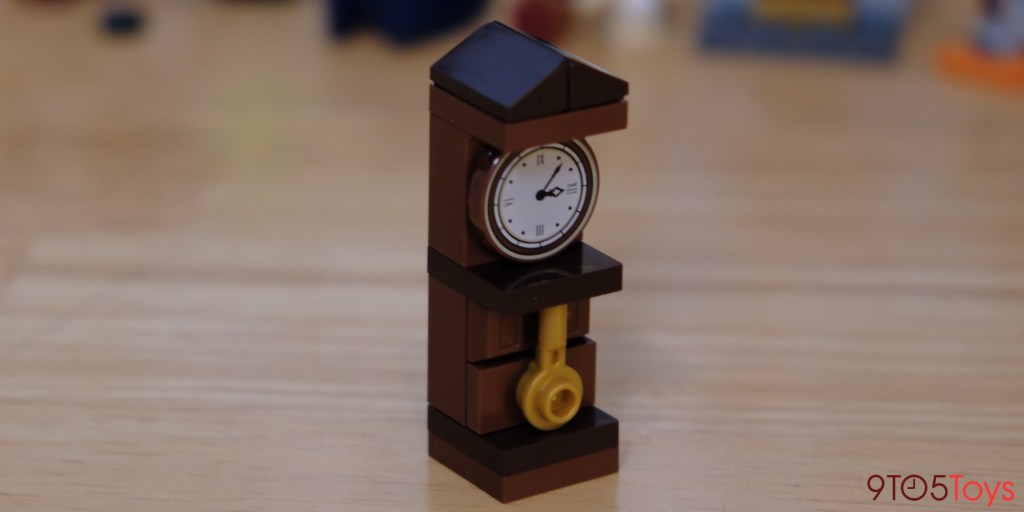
550,392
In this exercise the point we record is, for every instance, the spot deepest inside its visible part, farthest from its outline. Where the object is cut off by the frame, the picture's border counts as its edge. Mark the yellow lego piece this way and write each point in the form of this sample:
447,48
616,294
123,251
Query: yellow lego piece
550,392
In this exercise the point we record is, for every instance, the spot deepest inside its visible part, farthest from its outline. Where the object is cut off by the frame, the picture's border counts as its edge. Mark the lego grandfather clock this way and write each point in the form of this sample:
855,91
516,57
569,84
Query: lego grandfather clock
511,372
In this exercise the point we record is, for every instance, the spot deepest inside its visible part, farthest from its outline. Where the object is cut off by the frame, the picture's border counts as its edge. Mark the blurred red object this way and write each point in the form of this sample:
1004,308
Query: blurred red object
546,19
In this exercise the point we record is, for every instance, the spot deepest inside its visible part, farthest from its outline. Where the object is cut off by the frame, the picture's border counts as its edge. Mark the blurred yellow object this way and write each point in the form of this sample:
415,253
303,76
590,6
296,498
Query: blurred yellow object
833,12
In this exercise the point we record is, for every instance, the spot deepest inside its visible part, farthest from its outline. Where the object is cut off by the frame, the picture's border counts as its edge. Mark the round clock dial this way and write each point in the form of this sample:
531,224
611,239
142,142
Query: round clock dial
530,205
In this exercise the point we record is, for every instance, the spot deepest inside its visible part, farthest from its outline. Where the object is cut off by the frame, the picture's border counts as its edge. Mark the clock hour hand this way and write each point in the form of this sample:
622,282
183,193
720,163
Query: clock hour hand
542,193
555,192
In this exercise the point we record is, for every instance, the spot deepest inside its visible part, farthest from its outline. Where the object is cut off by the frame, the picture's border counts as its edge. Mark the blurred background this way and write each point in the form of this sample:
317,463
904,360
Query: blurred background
213,240
298,115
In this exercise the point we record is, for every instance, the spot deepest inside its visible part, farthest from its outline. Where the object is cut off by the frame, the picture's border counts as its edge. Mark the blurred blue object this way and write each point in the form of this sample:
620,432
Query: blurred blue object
402,21
873,33
1002,29
121,19
343,16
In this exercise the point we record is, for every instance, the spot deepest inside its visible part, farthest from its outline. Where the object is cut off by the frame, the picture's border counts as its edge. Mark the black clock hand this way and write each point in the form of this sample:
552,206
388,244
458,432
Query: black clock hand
542,193
555,192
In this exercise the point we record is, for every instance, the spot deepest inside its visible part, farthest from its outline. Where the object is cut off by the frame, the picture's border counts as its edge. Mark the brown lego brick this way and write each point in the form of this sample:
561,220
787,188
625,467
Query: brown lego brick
493,335
446,350
528,483
491,386
579,318
509,288
509,137
562,474
522,448
452,159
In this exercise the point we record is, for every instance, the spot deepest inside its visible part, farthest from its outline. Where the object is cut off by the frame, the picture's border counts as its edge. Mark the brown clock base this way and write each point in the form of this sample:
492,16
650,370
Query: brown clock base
527,483
521,461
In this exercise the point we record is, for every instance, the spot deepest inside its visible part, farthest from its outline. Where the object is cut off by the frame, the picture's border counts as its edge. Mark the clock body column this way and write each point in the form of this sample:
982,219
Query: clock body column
513,183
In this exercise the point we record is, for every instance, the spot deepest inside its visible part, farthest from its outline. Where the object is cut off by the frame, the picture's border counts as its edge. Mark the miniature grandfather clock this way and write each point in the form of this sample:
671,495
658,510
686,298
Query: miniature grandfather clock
513,183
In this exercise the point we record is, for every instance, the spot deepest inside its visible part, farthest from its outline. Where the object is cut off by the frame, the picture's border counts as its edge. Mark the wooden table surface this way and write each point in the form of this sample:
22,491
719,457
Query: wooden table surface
213,284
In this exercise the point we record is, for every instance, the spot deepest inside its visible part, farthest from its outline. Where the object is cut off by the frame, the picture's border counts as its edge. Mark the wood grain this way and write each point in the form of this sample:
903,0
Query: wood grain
213,288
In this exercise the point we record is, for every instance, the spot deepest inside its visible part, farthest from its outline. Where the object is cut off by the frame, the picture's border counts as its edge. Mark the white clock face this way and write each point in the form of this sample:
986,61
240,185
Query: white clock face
541,198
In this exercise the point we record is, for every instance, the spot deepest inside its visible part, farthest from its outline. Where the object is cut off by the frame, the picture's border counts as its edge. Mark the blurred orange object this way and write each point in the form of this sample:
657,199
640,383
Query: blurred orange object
963,59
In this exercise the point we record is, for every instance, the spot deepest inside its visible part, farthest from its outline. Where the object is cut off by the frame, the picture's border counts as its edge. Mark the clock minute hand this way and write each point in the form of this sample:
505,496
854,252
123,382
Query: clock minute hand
542,193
